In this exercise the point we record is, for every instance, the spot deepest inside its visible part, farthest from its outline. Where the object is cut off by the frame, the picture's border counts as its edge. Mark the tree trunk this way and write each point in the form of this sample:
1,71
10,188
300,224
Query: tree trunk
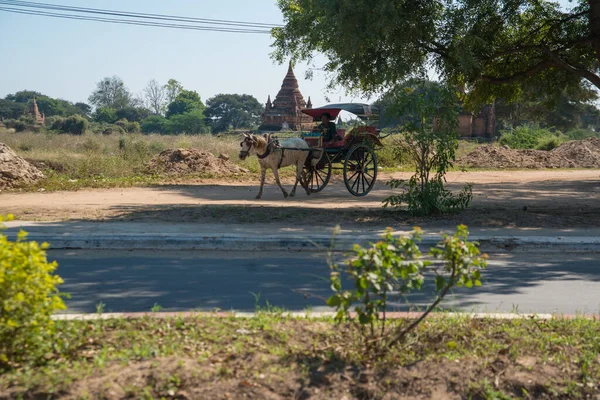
595,25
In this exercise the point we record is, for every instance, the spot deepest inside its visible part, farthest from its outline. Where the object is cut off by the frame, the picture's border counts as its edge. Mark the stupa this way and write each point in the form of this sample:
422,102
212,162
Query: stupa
34,112
284,112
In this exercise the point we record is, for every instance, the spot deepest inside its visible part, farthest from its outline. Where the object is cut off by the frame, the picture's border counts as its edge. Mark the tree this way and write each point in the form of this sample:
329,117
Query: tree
106,115
430,113
566,111
495,48
233,110
84,109
132,114
186,101
154,124
172,89
192,122
10,109
112,93
155,97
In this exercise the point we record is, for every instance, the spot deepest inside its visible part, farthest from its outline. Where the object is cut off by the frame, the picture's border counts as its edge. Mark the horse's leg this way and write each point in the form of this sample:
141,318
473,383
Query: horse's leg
263,173
276,173
293,192
299,172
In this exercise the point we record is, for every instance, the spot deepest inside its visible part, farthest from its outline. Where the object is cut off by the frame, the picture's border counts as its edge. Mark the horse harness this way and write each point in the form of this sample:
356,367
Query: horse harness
272,143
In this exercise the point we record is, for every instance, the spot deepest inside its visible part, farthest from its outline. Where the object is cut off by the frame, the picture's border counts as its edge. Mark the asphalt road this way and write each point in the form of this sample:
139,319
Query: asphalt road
129,281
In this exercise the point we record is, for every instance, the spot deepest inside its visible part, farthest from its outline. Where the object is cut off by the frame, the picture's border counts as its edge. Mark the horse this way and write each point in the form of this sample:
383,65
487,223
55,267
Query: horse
276,154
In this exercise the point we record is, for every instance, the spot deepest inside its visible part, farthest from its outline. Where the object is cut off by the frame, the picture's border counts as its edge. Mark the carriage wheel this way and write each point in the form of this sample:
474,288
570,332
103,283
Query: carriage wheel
317,178
360,170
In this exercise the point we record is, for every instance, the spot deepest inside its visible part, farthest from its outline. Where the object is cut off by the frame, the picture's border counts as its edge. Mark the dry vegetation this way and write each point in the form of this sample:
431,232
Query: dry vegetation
72,162
97,161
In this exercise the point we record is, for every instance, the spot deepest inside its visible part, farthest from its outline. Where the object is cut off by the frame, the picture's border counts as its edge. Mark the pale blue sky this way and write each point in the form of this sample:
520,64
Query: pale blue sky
65,58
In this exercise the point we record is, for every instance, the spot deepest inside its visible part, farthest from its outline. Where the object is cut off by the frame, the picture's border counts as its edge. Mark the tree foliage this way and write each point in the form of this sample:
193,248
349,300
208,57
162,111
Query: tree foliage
233,111
185,102
19,102
172,90
111,92
495,48
192,122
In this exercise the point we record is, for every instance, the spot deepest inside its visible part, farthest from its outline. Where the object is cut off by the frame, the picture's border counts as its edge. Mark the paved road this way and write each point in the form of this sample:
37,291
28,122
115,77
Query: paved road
135,281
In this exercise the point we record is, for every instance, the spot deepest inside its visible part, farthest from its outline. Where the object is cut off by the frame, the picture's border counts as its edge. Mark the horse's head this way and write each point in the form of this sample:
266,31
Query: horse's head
246,145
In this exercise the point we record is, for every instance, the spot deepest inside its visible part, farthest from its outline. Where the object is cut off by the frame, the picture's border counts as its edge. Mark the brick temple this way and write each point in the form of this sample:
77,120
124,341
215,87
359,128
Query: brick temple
284,112
480,125
34,113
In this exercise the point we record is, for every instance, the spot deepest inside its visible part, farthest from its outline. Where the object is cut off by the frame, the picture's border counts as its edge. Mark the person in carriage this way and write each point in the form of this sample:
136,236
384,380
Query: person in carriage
328,128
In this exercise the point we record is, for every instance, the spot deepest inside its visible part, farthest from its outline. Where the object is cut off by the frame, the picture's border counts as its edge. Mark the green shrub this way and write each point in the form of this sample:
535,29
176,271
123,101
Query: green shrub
580,134
75,124
390,269
28,298
55,123
549,143
154,124
527,137
113,129
133,127
429,141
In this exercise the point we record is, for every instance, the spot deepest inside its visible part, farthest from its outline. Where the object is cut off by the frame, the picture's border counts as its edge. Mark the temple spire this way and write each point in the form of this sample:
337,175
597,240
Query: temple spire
269,104
309,103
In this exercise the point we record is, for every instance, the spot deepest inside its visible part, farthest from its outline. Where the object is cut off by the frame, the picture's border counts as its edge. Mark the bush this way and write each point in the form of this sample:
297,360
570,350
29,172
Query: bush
581,134
429,141
393,267
549,143
106,115
75,124
528,137
113,129
133,127
28,298
154,124
191,123
55,123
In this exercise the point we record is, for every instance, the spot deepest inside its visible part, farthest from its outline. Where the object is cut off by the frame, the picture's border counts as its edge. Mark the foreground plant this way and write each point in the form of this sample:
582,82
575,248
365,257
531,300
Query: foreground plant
28,298
394,267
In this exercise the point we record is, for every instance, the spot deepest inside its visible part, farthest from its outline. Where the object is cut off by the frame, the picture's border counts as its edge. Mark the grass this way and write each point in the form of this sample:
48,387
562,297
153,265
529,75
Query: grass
95,161
212,357
74,162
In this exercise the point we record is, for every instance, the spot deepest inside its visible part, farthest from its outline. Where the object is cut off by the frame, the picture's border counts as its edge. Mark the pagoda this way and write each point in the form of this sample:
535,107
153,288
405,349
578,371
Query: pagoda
34,113
285,111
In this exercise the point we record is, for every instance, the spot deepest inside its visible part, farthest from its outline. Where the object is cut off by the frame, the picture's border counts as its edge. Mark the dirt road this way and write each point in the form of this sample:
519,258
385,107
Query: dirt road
560,198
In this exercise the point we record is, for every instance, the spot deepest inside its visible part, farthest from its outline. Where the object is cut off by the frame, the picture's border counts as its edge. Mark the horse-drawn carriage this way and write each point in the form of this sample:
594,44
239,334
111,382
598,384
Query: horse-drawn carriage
352,150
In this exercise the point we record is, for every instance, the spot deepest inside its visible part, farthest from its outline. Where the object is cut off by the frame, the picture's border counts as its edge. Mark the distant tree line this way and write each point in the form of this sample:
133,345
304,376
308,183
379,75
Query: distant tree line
161,108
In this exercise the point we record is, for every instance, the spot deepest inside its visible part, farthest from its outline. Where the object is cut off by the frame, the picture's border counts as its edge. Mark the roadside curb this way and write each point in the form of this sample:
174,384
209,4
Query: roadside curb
310,315
233,242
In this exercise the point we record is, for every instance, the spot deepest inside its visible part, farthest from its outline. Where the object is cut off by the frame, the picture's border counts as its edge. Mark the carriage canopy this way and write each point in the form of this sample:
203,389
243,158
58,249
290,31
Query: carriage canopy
361,110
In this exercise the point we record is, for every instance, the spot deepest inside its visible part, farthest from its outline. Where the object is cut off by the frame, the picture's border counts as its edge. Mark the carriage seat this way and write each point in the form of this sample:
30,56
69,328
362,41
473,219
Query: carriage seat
334,144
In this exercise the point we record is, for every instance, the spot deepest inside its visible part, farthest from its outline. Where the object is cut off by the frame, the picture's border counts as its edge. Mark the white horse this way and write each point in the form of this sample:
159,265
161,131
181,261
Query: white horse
272,156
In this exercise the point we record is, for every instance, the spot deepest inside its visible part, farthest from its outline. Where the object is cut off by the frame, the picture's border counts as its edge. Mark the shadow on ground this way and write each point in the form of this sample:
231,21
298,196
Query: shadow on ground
178,281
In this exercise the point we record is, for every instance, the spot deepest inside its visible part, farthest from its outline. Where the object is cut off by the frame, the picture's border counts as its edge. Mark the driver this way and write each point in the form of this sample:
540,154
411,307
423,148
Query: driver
328,128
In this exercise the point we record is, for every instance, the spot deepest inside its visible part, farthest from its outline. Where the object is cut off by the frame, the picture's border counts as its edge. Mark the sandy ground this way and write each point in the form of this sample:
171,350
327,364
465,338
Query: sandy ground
501,198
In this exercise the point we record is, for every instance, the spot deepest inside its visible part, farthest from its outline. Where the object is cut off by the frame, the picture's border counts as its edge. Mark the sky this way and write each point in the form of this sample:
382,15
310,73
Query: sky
66,58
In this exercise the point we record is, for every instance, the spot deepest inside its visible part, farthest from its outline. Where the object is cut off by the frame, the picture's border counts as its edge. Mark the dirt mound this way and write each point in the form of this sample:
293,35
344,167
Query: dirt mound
14,170
502,157
187,161
583,153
